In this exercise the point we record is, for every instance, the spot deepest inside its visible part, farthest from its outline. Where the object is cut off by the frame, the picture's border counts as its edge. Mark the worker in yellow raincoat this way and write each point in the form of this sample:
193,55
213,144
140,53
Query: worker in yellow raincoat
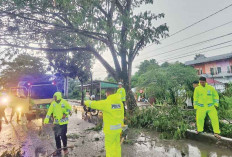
122,92
206,100
113,116
60,109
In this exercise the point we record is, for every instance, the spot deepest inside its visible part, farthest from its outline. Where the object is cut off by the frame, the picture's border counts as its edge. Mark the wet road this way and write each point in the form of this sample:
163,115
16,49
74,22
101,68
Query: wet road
37,141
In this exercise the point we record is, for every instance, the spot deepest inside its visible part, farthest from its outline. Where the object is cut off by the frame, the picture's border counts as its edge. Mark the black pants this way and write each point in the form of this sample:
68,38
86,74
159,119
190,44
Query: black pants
124,105
61,136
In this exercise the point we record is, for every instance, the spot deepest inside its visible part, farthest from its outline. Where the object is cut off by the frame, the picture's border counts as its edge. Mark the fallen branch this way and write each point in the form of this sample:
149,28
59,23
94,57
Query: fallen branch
61,149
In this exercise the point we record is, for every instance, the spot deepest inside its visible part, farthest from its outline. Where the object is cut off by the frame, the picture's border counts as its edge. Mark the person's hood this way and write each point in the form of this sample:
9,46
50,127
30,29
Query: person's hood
58,95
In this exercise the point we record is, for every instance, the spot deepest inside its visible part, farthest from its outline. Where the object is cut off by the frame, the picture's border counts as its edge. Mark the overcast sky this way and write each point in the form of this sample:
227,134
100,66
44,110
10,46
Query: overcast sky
178,15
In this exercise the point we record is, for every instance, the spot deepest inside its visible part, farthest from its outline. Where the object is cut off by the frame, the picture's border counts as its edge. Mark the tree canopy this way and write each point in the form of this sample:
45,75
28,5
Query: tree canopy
98,26
167,83
23,67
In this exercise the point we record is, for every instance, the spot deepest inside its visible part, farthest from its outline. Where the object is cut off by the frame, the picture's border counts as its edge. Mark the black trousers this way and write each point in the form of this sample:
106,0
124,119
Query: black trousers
124,105
61,136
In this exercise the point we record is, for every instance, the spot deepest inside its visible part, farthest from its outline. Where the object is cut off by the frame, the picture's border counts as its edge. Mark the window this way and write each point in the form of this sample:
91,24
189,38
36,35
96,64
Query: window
212,71
43,91
219,70
201,72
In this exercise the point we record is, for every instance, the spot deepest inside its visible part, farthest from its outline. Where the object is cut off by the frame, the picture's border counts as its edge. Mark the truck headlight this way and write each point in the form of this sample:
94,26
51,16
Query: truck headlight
19,109
4,100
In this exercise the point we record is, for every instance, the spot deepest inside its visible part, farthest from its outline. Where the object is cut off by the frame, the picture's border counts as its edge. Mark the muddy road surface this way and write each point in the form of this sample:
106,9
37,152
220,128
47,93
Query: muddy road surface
36,140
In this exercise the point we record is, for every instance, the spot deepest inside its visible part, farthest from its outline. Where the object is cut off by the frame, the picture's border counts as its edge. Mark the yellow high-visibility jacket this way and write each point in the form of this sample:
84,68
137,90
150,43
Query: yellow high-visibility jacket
58,110
113,112
205,97
122,92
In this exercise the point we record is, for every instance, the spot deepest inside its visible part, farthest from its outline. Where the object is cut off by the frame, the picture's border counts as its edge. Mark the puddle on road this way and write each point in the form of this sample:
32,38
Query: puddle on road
148,144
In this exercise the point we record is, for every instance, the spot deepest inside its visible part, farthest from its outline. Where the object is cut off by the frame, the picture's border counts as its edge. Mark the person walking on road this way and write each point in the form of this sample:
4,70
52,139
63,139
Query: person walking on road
60,109
113,117
3,101
206,100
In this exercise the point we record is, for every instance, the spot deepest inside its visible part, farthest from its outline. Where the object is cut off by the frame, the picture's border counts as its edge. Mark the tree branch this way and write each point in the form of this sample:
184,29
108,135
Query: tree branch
82,32
48,49
110,38
102,60
120,7
102,10
137,47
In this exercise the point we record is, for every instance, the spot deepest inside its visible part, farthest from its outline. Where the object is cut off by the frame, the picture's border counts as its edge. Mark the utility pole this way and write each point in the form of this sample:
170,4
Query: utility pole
91,90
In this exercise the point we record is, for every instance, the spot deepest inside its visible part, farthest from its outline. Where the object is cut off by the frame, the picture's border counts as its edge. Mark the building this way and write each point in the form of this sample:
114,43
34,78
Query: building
217,68
96,88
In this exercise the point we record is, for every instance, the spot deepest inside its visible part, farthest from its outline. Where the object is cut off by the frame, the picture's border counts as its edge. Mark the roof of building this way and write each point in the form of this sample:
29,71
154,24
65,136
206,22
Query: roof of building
102,84
209,59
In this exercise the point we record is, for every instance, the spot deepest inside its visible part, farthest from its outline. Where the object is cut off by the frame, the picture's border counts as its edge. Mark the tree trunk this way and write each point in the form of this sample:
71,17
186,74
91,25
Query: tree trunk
126,73
82,94
66,87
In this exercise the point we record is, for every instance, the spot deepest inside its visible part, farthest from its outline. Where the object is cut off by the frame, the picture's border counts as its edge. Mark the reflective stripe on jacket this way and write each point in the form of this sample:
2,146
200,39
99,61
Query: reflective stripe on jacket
205,97
113,112
58,110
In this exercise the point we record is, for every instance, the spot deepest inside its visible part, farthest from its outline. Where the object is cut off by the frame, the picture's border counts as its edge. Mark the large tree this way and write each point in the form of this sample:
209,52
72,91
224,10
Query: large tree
110,26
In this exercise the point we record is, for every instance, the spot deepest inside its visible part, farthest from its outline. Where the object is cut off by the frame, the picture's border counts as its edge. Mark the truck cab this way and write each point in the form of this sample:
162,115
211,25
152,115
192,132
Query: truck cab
33,99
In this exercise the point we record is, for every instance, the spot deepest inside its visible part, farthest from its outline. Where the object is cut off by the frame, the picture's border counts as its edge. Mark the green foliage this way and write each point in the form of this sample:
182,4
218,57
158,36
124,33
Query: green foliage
109,78
225,106
72,64
74,89
224,112
168,83
98,127
24,66
12,153
128,141
226,129
170,121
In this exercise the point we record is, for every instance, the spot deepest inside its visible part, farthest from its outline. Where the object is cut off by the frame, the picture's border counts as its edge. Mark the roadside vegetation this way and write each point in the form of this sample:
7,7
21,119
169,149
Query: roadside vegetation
170,85
12,153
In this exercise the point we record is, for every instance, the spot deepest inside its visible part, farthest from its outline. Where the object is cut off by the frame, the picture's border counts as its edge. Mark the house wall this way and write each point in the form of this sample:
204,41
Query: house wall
206,66
223,64
200,66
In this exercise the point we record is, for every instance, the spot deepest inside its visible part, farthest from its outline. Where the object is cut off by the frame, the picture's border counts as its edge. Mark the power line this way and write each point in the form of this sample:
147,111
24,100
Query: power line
194,35
201,20
177,32
188,46
199,53
191,52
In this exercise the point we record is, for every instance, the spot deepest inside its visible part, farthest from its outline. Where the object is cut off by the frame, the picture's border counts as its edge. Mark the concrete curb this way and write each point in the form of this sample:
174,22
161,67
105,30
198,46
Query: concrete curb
209,138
